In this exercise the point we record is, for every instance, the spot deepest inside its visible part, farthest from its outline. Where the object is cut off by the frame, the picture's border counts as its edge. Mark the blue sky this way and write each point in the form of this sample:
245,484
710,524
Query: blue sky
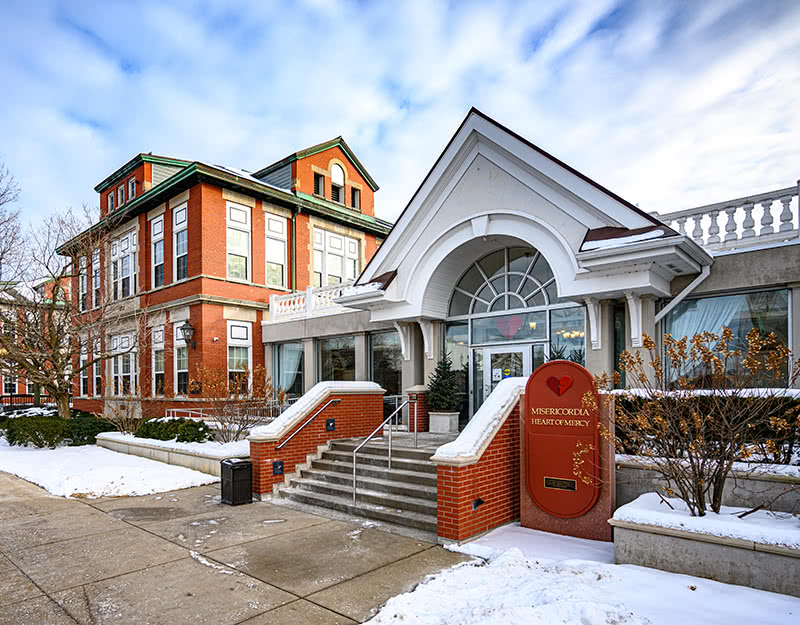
669,104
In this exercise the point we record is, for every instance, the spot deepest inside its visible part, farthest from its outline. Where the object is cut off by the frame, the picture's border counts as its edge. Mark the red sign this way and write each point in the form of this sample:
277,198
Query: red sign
561,436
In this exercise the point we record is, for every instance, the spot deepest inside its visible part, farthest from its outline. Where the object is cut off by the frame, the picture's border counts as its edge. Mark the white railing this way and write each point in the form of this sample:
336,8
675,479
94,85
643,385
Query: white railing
754,220
313,302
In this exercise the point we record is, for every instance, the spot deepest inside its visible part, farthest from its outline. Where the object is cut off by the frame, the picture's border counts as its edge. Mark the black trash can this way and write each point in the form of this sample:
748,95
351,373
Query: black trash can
237,481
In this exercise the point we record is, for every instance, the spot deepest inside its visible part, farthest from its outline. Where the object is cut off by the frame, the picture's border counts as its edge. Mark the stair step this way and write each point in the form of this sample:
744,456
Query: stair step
425,522
394,487
373,471
380,461
393,502
382,449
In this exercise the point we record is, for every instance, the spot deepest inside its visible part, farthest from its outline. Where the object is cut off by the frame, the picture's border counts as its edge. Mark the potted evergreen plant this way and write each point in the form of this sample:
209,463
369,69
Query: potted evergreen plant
443,397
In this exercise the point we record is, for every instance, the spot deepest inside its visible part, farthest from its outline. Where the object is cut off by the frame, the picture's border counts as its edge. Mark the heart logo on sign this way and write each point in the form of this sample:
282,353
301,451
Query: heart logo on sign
559,385
509,326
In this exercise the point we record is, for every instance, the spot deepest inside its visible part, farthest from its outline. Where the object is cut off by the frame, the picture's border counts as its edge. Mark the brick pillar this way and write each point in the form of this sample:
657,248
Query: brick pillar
420,395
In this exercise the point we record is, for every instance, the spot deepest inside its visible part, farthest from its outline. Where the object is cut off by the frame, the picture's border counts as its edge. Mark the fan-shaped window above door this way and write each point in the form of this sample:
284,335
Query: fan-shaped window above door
507,279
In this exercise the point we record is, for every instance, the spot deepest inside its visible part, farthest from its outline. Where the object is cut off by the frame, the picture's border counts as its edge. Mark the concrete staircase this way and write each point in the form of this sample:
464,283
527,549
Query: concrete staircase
404,495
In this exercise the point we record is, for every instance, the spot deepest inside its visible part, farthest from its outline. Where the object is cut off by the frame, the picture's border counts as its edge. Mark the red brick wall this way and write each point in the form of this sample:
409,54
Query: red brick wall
303,173
423,420
494,478
139,173
356,415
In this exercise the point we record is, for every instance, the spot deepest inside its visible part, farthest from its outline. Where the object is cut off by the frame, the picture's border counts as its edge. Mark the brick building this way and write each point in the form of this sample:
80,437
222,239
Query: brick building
197,249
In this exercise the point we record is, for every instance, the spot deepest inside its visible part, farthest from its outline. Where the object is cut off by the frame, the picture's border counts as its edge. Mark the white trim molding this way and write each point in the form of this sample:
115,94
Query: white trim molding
426,327
404,330
635,316
594,312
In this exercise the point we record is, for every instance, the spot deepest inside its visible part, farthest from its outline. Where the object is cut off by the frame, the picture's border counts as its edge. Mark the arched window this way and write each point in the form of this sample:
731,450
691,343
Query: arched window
337,183
507,279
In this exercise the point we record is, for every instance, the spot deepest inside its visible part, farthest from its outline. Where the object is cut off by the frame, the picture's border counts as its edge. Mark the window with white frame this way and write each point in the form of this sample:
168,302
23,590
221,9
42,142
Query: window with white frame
319,185
84,364
124,370
10,384
355,198
83,280
239,356
238,226
96,279
337,183
181,361
131,188
276,251
121,195
123,266
110,201
336,258
158,361
98,369
180,222
157,242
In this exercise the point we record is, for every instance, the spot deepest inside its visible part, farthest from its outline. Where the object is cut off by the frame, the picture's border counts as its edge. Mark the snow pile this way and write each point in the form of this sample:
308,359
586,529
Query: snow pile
764,527
308,402
34,411
752,469
484,425
604,244
794,393
550,579
211,449
91,471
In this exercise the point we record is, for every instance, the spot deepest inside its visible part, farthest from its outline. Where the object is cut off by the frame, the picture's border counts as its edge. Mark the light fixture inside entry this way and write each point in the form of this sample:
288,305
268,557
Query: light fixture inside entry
532,325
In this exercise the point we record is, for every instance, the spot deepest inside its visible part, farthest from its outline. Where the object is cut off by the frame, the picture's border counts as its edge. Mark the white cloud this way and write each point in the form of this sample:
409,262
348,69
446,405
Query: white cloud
668,106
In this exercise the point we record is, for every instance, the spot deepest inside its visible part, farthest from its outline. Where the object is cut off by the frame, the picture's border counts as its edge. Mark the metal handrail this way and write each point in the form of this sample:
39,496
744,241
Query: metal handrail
370,437
309,420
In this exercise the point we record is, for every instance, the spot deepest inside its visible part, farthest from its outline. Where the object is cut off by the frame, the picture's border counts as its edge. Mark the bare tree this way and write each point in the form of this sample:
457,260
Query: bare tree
10,235
705,407
52,333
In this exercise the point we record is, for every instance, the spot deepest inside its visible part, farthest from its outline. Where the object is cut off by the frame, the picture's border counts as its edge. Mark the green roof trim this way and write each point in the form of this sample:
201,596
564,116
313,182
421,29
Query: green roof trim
316,149
134,163
196,173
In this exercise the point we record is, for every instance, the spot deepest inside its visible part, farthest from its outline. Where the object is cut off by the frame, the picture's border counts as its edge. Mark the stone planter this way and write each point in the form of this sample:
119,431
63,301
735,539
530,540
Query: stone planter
730,560
443,422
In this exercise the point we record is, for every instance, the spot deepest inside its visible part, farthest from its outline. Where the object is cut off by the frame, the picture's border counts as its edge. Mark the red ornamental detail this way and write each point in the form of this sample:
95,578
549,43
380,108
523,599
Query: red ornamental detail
562,458
509,326
559,385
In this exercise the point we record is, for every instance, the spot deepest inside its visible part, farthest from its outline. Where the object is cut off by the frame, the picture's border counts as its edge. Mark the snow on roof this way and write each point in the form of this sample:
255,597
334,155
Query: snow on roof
602,244
242,174
481,429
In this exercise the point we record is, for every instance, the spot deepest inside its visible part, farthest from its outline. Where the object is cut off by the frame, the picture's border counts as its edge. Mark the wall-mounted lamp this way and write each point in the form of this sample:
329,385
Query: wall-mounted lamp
187,331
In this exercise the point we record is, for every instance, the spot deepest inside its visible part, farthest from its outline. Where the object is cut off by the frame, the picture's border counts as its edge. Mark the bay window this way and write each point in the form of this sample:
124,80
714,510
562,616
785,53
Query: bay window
238,241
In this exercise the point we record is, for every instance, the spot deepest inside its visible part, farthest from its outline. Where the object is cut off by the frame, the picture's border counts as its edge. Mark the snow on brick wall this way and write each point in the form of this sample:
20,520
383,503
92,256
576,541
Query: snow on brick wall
355,414
494,478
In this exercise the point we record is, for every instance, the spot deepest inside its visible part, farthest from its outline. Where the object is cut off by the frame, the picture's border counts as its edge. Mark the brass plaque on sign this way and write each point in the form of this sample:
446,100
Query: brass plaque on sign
559,483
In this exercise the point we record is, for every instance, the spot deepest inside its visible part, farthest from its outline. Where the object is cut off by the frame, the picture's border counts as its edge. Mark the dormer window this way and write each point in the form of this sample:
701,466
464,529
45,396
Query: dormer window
337,183
131,188
121,195
319,185
111,202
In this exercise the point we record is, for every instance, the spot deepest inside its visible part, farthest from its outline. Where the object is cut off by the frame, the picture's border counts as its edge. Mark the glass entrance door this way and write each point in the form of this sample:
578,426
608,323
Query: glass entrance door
504,362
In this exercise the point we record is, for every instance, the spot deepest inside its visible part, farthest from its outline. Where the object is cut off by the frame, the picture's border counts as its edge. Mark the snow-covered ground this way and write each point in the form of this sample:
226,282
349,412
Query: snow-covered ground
91,471
534,577
210,448
763,526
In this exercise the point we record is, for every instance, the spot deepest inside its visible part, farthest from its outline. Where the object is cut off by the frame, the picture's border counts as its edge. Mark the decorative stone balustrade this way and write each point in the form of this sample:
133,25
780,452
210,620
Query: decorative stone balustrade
743,222
313,302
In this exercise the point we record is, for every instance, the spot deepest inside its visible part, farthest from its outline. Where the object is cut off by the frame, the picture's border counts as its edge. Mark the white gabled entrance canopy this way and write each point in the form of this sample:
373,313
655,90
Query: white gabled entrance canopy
490,187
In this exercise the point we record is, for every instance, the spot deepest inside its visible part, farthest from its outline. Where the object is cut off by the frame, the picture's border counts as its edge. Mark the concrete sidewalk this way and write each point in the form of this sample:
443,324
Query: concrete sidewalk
183,557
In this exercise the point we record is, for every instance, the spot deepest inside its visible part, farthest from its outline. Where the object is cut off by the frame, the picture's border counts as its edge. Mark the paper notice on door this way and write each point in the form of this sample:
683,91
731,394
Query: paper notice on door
497,374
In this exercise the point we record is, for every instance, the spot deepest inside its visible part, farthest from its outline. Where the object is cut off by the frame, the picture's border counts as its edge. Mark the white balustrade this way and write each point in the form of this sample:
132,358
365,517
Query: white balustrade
743,222
313,302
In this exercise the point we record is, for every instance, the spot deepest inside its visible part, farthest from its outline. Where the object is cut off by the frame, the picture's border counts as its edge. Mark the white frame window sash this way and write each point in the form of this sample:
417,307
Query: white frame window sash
132,189
123,249
121,194
84,365
276,240
179,345
158,346
83,280
110,200
238,220
124,352
329,246
180,229
157,248
337,184
97,370
96,294
240,335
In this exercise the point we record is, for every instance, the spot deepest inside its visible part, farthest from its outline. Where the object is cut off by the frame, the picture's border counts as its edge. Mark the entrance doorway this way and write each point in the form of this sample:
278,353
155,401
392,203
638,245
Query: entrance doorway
493,364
